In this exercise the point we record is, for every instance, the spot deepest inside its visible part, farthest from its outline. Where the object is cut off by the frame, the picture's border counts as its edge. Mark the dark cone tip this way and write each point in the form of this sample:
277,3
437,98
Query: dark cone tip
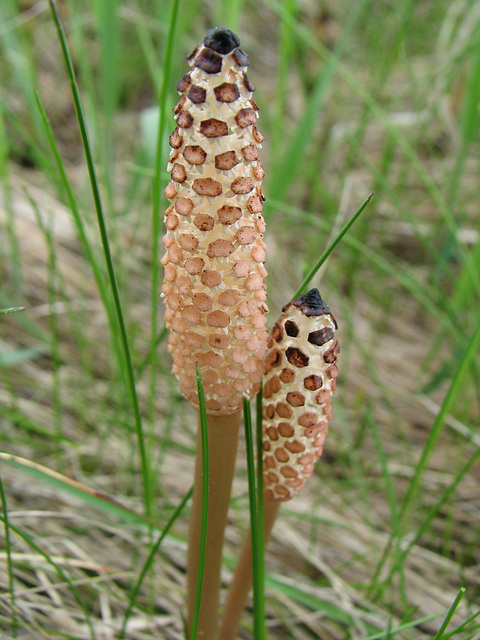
311,303
221,40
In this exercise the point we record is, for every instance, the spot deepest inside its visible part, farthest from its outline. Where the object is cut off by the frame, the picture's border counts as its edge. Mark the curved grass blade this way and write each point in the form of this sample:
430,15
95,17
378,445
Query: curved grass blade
129,375
149,560
203,531
98,500
308,278
256,534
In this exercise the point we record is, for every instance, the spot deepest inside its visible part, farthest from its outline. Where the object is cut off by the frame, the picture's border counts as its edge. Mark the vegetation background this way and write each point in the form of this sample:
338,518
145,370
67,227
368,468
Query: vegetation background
354,97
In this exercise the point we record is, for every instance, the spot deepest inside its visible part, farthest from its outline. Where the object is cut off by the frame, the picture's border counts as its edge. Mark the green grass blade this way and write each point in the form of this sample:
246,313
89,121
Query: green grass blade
11,586
203,528
149,561
310,275
256,533
260,497
450,614
466,627
5,312
129,374
90,496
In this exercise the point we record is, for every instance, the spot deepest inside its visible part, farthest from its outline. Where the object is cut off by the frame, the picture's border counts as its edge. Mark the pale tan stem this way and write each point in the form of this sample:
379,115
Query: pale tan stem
222,450
242,578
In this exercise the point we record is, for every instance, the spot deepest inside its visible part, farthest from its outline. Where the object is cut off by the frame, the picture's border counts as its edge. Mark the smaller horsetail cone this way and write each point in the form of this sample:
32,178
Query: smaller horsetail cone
299,383
213,285
300,379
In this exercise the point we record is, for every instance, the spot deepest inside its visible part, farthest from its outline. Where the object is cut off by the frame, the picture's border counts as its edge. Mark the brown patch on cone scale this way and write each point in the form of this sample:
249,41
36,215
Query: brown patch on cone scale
170,191
287,375
226,161
211,278
184,119
220,249
226,92
246,117
255,205
183,206
176,140
207,187
213,128
242,185
228,214
321,336
331,354
188,241
197,94
245,235
179,173
291,328
194,154
218,319
258,172
247,84
258,137
304,339
204,222
208,60
297,357
180,104
312,382
240,57
194,266
184,83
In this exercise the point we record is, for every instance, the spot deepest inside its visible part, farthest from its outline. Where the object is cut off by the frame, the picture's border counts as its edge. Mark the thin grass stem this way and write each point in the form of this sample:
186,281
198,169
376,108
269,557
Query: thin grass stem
256,535
149,561
450,614
204,522
310,275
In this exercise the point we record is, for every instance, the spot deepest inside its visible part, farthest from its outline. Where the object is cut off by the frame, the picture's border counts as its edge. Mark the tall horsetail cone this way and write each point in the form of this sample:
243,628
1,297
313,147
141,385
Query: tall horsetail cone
299,383
214,262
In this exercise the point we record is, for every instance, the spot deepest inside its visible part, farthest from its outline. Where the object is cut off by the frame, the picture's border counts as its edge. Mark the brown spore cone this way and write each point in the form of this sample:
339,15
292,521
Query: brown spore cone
213,283
300,380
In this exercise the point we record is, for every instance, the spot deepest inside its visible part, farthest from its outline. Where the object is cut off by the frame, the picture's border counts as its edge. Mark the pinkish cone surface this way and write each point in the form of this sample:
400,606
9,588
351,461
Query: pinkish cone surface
299,382
213,284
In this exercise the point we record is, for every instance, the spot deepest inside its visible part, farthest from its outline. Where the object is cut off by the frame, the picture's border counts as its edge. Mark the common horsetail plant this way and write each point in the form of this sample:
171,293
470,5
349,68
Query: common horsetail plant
213,286
214,290
300,380
301,377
